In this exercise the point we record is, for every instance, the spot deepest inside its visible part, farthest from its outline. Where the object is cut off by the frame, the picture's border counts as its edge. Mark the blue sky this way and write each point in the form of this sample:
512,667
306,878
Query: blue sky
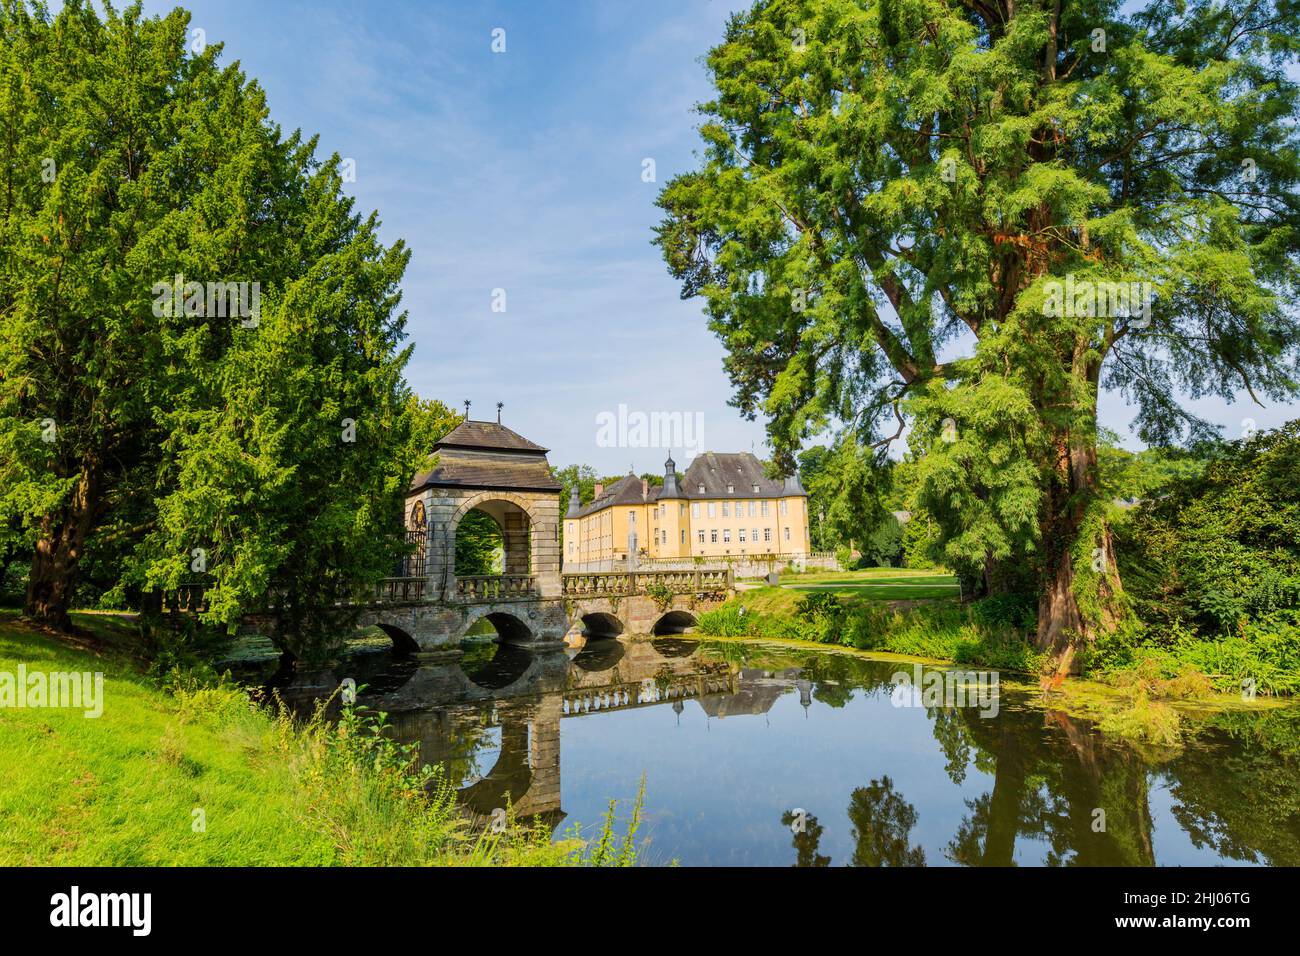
522,171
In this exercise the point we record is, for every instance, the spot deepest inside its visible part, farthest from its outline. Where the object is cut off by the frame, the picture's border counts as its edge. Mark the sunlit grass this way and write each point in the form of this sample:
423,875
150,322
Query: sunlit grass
202,776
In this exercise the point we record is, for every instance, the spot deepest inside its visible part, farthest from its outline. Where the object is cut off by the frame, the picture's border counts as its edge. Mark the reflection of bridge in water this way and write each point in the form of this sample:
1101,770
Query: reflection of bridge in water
509,710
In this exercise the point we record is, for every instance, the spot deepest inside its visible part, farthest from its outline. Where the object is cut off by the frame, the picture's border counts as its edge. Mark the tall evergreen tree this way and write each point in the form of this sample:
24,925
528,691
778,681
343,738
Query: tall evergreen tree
142,396
886,178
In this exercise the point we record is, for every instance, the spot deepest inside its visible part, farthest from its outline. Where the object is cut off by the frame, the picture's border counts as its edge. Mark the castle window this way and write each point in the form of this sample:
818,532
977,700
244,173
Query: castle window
742,535
763,508
726,509
713,509
701,536
752,509
701,489
784,509
726,534
755,489
695,509
713,536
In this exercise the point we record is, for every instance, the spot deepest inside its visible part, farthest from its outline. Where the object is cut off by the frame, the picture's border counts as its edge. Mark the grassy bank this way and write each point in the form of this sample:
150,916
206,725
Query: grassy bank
200,775
864,610
1151,697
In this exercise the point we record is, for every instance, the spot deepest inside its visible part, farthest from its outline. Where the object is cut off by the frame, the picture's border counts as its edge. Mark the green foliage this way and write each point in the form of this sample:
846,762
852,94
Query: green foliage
819,602
947,632
141,428
609,850
430,421
1221,551
1143,475
480,547
920,171
661,594
1011,610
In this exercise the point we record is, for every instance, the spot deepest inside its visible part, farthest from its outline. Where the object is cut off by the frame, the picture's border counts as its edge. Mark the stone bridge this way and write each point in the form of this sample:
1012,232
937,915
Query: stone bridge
595,605
431,603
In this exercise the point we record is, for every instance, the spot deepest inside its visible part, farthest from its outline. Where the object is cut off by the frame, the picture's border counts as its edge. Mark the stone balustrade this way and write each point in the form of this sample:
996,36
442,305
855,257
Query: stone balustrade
639,582
496,587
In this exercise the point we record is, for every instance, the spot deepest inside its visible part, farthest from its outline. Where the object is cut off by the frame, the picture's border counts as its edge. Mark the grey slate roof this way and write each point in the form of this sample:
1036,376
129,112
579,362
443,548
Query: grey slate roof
489,456
493,435
715,471
739,471
626,491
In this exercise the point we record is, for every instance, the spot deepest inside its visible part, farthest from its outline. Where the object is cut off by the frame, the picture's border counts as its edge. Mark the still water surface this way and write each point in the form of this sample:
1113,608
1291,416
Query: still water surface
755,755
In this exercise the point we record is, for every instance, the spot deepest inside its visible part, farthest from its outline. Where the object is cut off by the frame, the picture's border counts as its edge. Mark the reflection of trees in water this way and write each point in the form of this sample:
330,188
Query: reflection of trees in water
1049,782
1238,793
806,840
882,826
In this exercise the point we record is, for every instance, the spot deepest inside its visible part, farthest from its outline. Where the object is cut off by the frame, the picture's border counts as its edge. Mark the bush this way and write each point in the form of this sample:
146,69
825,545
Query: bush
819,602
1011,610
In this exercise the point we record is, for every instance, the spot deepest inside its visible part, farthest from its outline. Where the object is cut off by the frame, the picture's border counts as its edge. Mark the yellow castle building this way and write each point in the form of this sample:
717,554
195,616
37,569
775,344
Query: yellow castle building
725,506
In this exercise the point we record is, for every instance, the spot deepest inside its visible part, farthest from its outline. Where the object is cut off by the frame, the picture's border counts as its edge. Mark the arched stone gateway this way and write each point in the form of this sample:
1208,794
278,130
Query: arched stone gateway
487,466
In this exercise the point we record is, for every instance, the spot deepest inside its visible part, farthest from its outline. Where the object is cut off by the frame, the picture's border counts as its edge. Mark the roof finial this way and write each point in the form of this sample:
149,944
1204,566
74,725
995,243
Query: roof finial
467,409
500,405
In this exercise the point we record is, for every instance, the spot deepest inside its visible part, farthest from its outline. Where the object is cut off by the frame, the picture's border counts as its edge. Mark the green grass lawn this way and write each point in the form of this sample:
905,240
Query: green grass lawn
122,789
872,584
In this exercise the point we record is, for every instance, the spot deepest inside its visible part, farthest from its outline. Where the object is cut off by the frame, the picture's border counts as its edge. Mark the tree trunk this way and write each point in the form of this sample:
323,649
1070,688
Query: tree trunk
58,550
1063,626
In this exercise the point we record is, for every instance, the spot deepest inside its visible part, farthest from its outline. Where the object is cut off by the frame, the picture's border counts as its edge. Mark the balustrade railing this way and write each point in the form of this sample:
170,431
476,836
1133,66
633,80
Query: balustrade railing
638,582
192,598
495,587
401,589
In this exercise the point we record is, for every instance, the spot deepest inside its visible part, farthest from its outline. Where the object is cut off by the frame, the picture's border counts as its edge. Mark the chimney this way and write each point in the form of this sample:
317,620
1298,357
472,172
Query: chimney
599,490
645,489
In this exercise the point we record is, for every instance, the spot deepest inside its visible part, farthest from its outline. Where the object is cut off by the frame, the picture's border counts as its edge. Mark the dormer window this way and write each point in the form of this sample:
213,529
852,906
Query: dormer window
701,489
755,489
731,489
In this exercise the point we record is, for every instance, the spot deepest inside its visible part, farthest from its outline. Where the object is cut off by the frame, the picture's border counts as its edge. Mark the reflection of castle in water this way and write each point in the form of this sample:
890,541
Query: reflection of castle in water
508,710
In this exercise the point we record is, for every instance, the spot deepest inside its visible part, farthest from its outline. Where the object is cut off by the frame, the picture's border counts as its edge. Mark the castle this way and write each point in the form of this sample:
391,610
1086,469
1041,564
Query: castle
723,506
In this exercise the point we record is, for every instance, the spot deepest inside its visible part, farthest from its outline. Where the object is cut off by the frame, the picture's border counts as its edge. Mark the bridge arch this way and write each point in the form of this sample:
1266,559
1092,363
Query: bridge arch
670,647
403,642
674,622
600,656
600,624
510,628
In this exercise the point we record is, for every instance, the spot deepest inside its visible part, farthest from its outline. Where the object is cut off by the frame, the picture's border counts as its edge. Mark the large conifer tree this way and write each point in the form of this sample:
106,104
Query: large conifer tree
256,445
884,178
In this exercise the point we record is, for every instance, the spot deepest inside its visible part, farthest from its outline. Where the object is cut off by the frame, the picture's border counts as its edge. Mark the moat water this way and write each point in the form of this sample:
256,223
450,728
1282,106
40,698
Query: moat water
758,755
